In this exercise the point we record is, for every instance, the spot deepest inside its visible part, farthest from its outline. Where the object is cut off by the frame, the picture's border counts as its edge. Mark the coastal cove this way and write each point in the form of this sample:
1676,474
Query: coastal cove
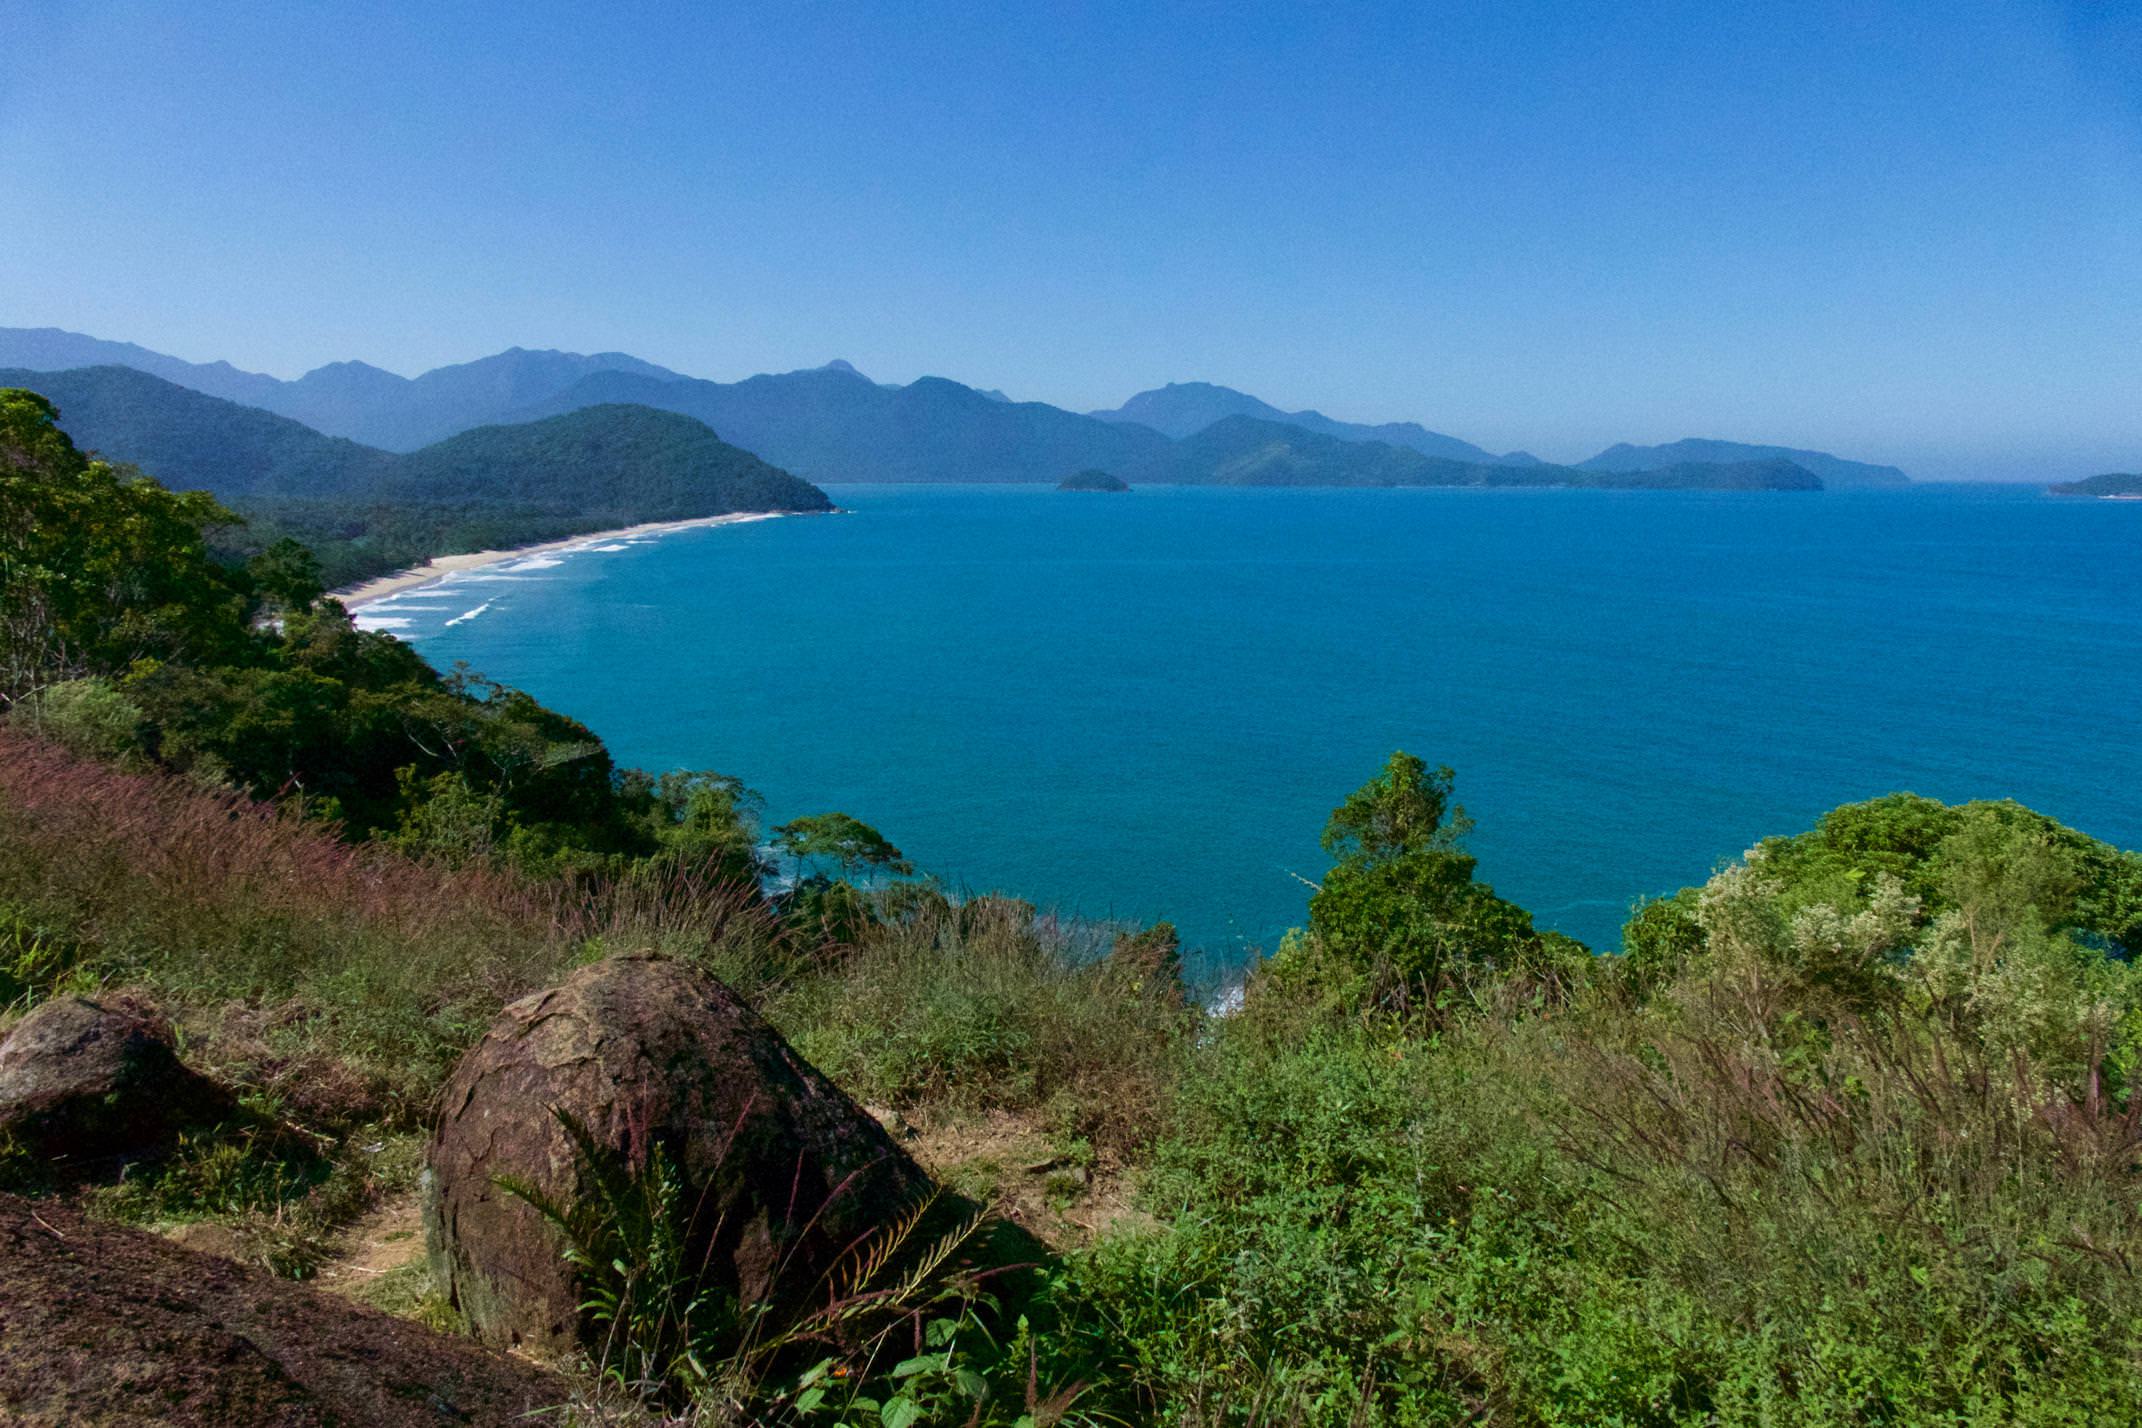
421,577
1144,707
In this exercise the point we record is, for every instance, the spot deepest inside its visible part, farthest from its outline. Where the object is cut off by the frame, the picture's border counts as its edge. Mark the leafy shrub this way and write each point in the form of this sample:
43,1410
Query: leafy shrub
668,1338
981,1004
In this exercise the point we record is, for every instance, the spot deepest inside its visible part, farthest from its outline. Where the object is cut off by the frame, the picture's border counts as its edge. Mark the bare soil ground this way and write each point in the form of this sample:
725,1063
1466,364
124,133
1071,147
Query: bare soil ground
1015,1167
389,1237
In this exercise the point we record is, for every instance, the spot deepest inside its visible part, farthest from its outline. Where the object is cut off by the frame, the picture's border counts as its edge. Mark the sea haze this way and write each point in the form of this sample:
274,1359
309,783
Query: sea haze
1144,705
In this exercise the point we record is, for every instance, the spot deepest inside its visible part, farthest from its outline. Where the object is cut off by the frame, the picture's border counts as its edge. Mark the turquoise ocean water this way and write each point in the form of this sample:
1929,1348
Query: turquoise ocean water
1144,706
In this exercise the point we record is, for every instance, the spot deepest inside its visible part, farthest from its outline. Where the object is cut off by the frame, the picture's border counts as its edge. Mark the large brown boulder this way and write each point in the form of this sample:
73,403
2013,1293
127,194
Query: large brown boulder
781,1170
102,1326
83,1081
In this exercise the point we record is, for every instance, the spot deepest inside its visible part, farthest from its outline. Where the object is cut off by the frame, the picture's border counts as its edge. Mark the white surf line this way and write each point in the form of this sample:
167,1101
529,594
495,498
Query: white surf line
467,615
475,565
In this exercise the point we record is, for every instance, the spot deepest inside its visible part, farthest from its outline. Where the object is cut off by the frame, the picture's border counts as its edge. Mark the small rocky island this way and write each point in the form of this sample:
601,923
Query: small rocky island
1092,480
2113,486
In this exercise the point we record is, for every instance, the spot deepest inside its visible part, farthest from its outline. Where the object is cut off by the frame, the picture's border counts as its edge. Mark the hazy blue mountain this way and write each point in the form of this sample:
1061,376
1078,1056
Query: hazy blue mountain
2124,485
834,424
1834,470
1247,451
1183,409
402,413
50,349
622,464
195,442
352,399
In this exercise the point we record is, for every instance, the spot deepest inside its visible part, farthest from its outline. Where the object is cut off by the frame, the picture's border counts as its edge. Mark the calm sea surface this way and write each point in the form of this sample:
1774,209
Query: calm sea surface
1144,706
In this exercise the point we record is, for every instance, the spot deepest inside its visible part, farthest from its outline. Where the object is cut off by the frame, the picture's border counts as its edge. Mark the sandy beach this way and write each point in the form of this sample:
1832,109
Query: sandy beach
439,567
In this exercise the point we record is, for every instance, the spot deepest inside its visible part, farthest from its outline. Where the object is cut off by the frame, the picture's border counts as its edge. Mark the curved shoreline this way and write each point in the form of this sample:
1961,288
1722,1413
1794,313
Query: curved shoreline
415,577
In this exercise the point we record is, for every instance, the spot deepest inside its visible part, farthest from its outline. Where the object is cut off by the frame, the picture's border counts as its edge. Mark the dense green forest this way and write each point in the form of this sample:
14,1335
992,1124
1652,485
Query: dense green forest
1848,1134
362,511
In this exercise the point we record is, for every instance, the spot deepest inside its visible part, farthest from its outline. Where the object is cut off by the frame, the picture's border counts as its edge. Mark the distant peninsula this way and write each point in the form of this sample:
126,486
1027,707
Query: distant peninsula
1093,480
2112,486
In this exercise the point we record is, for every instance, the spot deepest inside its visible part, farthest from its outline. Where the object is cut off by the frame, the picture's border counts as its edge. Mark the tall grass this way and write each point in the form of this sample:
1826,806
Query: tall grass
982,1006
272,927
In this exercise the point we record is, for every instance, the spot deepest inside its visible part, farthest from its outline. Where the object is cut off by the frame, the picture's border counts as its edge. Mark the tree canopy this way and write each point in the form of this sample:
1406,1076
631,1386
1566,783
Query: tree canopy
122,634
1399,920
849,843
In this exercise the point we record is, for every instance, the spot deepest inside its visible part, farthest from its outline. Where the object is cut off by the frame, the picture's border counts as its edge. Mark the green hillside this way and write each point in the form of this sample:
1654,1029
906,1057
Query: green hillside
192,441
622,460
364,511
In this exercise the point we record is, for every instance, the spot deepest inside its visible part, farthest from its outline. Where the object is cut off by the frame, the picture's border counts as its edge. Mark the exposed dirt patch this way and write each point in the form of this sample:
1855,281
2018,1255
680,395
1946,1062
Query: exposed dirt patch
387,1238
1065,1198
102,1325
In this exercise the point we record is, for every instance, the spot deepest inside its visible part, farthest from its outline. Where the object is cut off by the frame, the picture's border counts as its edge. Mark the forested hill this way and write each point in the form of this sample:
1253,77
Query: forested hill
365,511
194,442
1183,409
1244,451
1835,471
626,460
2112,483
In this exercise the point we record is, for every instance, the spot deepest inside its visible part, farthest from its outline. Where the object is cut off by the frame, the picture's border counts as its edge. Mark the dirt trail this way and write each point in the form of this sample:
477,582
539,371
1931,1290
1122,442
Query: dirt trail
1014,1165
389,1236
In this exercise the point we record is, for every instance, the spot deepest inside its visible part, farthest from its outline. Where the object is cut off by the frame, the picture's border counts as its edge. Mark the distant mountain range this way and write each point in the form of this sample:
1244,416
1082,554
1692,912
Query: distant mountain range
352,399
1183,409
834,424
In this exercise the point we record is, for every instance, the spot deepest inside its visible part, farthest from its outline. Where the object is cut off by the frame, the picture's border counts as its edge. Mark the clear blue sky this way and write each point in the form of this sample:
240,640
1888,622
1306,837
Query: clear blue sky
1908,232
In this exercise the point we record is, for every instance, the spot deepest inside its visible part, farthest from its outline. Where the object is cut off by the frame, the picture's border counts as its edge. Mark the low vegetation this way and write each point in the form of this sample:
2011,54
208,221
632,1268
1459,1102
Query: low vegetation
1847,1135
